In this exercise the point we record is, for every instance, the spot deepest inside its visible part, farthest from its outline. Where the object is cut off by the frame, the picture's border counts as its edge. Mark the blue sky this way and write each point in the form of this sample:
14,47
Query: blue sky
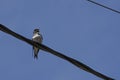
76,28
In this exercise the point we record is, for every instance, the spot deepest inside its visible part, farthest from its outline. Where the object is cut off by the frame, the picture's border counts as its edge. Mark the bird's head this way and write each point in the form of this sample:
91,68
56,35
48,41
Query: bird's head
36,31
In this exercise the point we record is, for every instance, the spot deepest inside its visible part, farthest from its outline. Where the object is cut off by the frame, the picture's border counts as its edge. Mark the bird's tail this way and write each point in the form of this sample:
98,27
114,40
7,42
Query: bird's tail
36,50
35,56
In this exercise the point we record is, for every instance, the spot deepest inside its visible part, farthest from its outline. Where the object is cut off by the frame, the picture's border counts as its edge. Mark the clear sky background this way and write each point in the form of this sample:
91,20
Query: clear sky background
76,28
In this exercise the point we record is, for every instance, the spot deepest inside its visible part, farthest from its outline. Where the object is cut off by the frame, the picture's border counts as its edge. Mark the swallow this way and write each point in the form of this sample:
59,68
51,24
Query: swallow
37,37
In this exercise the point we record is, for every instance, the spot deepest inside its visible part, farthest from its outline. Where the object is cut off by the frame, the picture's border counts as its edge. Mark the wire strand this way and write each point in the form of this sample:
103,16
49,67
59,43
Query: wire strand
104,6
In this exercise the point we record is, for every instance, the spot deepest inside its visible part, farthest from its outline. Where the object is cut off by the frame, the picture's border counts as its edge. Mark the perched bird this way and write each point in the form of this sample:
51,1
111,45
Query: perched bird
37,37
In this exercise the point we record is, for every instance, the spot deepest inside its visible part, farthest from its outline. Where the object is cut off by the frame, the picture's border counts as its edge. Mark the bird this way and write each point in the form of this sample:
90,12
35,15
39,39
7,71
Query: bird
37,37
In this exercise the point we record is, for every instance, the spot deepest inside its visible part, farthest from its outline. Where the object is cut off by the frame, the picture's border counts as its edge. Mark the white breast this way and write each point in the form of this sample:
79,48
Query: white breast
37,38
36,35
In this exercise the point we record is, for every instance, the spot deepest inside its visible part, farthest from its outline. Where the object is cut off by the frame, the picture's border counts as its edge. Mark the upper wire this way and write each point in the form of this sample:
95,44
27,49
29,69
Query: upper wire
104,6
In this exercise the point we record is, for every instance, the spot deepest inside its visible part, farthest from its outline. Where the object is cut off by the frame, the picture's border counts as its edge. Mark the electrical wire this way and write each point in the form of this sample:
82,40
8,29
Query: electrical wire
104,6
56,53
